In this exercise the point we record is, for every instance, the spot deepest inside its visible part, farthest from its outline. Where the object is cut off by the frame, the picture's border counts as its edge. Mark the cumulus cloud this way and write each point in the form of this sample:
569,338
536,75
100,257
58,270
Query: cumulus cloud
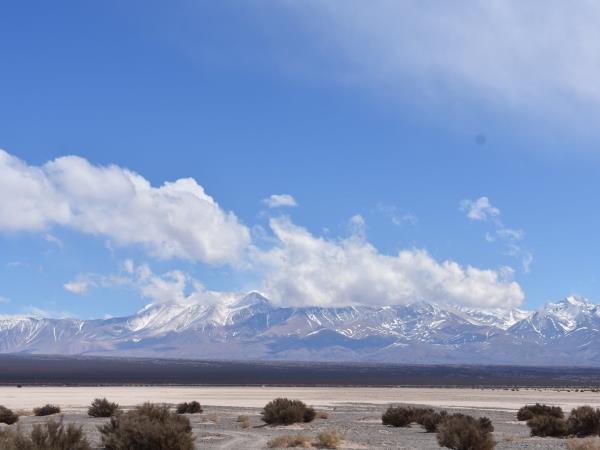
280,200
177,219
304,269
480,209
543,55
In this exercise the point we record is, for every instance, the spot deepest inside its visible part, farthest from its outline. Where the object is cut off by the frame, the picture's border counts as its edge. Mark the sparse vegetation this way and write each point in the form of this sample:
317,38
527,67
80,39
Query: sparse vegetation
101,407
7,416
547,425
192,407
46,410
146,427
283,411
528,412
49,436
322,415
289,441
329,439
461,432
583,444
244,421
584,421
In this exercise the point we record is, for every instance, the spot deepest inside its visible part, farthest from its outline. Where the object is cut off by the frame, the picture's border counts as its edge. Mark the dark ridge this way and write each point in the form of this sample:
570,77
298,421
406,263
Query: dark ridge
60,370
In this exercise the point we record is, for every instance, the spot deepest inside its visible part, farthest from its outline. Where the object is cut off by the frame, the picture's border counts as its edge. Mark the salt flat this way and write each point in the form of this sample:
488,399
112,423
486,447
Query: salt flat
75,398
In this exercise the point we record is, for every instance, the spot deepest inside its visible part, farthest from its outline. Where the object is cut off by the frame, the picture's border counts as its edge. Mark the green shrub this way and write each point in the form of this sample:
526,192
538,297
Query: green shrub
397,416
7,416
46,410
49,436
101,407
547,425
529,411
192,407
283,411
460,432
584,421
148,427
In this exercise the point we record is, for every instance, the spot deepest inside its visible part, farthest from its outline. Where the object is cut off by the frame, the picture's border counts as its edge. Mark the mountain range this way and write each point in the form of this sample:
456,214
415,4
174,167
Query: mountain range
252,328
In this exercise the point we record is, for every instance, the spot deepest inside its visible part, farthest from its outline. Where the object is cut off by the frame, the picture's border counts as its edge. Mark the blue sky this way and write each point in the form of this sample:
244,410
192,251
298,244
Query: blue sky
451,152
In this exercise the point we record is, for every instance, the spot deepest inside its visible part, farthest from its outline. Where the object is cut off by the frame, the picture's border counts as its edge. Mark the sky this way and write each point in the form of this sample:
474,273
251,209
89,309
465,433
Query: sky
322,153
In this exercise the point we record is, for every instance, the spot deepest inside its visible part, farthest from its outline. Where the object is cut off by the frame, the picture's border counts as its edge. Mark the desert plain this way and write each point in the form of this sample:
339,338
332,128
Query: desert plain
354,412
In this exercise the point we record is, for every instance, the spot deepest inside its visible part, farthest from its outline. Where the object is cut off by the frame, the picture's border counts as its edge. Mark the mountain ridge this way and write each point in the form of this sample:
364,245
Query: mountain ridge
251,327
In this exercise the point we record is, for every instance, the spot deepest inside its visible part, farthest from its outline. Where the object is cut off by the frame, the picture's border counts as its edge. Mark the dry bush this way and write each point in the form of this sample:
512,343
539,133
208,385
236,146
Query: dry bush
397,416
528,412
244,421
329,439
283,411
419,414
430,422
583,444
288,441
192,407
24,412
146,427
460,432
545,425
322,415
49,436
7,416
46,410
584,421
101,407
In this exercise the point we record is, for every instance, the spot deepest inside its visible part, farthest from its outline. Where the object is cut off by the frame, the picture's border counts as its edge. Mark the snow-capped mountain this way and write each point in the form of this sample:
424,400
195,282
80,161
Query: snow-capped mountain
250,327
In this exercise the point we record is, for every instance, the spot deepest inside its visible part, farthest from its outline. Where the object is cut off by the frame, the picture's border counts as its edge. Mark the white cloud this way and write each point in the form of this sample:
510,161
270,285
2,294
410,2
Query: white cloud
280,200
480,209
307,270
53,240
541,55
177,219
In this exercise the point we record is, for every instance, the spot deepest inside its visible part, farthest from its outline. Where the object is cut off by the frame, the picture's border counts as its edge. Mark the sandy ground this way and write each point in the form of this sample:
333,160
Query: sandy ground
73,398
355,412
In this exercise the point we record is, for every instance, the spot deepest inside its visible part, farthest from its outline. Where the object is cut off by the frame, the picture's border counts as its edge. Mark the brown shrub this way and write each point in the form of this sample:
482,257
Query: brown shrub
460,432
101,407
148,426
287,441
545,425
192,407
397,416
583,444
430,422
322,415
283,411
530,411
7,416
244,421
584,421
49,436
46,410
329,439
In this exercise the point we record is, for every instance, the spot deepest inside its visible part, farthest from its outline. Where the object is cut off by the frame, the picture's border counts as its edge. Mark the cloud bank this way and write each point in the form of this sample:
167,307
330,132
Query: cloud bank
179,220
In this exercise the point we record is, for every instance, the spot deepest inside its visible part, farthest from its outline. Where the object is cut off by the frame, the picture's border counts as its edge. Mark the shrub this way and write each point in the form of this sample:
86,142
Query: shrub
101,407
583,444
397,416
7,416
286,412
584,421
546,425
146,427
419,414
530,411
46,410
430,422
244,421
192,407
49,436
460,432
322,415
287,441
329,439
